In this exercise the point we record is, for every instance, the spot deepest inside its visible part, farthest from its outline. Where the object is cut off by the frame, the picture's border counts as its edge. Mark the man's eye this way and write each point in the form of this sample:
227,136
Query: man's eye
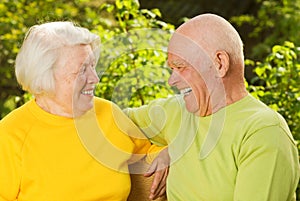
179,68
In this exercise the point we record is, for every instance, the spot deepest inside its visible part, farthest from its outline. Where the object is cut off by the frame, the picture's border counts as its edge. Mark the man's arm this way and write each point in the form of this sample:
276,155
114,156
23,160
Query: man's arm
157,118
268,167
157,157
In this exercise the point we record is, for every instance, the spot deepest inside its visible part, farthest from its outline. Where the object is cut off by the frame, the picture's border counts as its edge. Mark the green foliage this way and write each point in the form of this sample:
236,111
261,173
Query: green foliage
133,39
15,19
133,55
274,22
132,64
277,83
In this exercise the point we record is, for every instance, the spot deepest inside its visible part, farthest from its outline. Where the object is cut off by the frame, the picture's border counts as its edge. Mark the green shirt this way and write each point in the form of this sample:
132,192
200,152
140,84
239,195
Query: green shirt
243,152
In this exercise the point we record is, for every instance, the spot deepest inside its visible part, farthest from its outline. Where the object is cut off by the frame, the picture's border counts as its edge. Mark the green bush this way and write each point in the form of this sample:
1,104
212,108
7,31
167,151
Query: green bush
277,83
132,65
273,22
134,45
15,19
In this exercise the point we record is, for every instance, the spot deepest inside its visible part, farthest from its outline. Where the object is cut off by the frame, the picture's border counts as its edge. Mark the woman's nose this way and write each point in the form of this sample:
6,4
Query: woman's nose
93,76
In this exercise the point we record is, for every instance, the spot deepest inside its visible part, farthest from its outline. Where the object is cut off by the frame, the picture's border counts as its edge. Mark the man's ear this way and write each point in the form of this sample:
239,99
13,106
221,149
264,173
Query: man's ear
222,62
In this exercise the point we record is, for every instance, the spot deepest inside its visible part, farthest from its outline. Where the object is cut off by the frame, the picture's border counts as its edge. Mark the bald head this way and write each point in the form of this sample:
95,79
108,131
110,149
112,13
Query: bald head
207,55
212,33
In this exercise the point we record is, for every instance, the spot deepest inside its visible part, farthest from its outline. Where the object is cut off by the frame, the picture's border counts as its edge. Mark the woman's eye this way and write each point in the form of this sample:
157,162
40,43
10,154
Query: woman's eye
83,69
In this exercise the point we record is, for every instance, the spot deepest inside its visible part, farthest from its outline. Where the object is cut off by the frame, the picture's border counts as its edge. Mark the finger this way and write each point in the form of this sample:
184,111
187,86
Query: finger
151,170
161,193
158,176
159,183
148,174
158,193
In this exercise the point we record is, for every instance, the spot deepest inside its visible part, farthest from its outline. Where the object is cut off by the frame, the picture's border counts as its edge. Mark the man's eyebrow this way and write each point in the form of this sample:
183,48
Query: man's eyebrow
177,63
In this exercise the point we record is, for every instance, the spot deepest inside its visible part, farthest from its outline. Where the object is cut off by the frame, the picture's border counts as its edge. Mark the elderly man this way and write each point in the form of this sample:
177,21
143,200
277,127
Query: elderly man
223,143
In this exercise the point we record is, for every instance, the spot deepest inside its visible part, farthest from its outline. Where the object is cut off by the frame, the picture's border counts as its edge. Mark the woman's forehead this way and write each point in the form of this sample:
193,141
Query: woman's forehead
73,58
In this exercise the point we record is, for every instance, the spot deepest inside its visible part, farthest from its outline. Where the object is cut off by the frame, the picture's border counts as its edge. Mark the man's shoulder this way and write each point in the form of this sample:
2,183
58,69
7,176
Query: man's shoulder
256,115
262,113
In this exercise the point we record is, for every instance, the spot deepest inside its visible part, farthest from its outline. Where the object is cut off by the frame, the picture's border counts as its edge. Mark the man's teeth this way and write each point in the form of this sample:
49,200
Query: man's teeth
89,92
185,91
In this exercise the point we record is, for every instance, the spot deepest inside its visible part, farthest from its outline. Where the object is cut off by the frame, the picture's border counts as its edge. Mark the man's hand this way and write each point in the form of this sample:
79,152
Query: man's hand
160,169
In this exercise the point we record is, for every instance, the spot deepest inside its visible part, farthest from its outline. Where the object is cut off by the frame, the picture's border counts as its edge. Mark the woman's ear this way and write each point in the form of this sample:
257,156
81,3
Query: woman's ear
222,63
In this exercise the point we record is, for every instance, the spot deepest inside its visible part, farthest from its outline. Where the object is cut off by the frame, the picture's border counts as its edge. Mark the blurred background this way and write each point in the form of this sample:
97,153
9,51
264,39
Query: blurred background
132,67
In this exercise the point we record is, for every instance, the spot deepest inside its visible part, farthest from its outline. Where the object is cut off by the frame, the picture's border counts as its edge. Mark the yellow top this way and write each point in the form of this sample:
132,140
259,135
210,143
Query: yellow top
45,157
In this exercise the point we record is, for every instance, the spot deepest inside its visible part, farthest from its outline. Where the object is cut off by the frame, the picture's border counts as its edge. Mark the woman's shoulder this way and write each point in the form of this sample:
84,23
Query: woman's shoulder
103,106
16,125
17,115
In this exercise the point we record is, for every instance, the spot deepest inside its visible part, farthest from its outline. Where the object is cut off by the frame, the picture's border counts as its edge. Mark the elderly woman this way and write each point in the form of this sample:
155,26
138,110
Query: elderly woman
56,147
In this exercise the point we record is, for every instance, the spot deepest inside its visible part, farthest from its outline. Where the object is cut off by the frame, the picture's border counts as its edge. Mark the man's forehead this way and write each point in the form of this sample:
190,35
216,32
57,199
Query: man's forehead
182,48
176,60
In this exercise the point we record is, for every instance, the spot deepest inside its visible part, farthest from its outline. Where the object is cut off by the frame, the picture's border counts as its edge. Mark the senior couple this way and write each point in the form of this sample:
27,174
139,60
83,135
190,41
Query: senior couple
67,145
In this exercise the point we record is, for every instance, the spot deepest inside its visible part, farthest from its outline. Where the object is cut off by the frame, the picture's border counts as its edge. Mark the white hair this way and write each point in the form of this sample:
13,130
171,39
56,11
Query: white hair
40,51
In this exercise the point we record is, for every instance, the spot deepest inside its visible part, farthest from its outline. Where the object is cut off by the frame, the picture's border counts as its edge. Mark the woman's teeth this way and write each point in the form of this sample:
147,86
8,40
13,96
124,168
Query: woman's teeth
88,92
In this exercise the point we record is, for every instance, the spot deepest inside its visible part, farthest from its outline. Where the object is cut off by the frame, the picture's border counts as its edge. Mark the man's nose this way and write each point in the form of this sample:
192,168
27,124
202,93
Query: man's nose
173,79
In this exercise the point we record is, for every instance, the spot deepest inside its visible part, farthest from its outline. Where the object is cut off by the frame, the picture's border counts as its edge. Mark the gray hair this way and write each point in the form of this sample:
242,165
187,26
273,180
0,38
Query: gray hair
40,51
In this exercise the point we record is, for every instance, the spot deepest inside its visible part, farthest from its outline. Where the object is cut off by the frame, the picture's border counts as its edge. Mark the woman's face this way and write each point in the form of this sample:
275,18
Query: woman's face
75,80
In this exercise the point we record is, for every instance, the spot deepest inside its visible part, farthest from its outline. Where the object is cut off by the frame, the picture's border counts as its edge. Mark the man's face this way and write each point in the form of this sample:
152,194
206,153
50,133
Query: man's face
75,78
189,81
193,72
